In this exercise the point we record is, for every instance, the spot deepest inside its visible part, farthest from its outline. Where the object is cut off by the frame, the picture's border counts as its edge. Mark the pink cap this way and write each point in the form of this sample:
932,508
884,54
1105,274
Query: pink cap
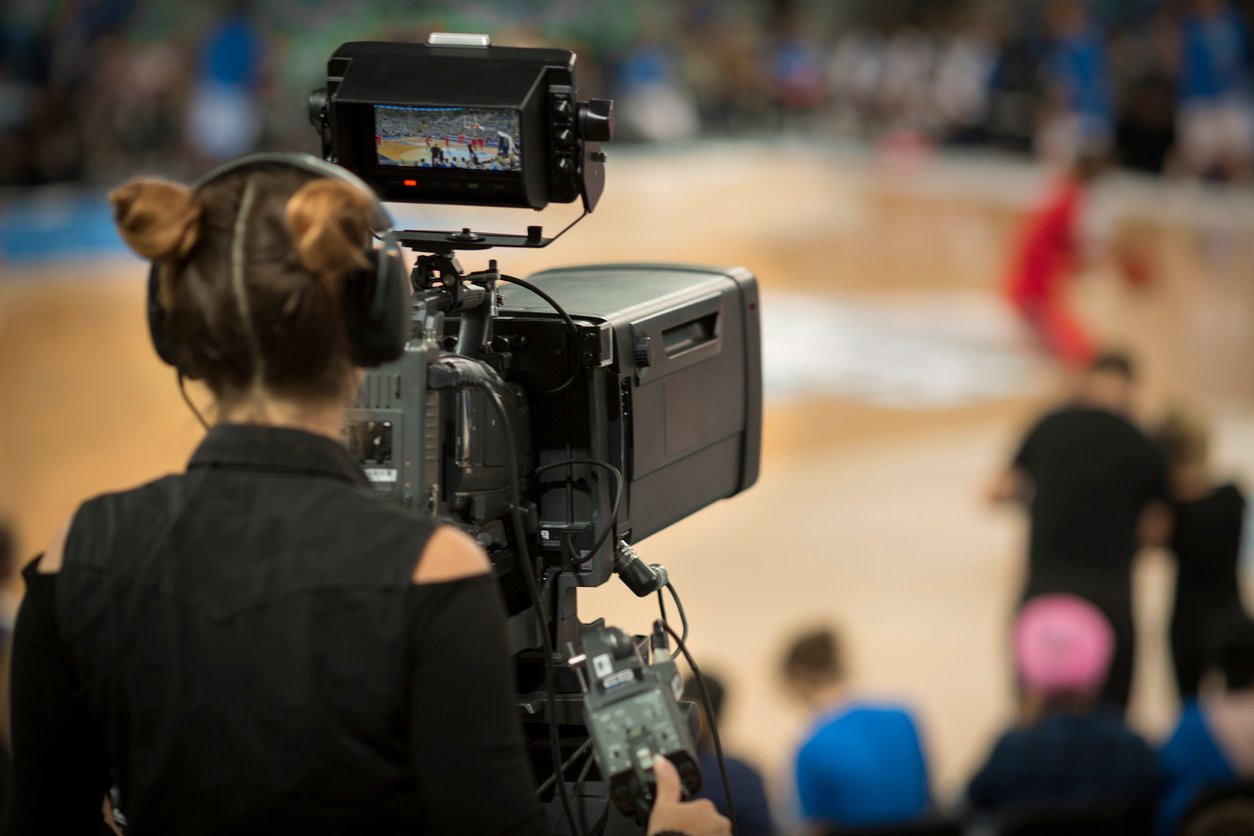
1062,643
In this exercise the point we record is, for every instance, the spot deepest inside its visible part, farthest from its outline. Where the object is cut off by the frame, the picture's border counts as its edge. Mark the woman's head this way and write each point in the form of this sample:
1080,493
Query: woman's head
254,270
1185,438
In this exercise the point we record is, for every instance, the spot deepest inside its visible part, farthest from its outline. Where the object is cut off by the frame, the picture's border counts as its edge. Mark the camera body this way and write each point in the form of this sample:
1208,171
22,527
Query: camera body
558,419
667,390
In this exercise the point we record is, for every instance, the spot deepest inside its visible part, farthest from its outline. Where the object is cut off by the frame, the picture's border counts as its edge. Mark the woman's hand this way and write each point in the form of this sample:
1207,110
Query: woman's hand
670,815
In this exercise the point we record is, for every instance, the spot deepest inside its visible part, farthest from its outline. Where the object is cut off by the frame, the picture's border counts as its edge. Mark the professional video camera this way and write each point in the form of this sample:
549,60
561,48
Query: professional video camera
559,419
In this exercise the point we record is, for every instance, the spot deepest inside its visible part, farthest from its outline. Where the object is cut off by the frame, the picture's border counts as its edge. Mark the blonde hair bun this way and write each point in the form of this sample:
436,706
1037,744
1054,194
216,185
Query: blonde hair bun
157,219
330,224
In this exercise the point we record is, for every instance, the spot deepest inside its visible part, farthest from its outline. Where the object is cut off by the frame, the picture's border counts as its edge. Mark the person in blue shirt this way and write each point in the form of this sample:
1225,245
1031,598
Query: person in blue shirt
861,763
225,117
1079,111
1215,117
753,811
1213,742
1066,750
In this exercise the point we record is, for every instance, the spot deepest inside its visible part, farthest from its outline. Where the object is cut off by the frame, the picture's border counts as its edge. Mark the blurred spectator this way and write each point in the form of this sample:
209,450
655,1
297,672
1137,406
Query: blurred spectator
854,74
1213,742
94,87
724,73
906,89
963,78
1066,750
1216,122
1148,58
1206,540
224,120
1089,478
652,103
1077,107
8,613
1014,90
753,812
862,762
9,600
799,84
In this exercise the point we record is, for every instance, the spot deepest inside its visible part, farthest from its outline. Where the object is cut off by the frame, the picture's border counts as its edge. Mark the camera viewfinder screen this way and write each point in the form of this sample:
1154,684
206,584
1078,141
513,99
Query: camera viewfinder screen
481,139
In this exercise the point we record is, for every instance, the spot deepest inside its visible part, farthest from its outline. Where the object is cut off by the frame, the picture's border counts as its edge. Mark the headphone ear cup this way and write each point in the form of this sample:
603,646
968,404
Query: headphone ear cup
378,309
156,319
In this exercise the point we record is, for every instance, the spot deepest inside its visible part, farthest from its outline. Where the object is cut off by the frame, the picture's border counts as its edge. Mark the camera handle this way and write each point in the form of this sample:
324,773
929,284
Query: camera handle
439,277
445,243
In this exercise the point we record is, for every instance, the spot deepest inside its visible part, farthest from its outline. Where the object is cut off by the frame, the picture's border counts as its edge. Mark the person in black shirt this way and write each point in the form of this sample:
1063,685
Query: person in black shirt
262,644
1090,479
1206,541
753,810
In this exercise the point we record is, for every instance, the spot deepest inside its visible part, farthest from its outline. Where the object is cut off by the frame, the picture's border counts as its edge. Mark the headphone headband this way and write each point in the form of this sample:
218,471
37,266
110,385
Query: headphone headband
380,221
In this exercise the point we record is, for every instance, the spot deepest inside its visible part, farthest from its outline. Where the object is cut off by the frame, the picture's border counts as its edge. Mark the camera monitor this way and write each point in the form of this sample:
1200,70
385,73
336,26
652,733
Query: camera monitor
463,122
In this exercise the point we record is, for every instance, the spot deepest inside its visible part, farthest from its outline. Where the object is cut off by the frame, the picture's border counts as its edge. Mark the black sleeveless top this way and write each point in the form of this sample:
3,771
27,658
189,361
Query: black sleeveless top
1207,545
242,649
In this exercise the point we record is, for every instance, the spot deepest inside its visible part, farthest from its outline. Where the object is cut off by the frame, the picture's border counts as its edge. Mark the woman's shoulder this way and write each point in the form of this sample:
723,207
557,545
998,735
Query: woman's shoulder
1222,495
119,508
1230,491
450,555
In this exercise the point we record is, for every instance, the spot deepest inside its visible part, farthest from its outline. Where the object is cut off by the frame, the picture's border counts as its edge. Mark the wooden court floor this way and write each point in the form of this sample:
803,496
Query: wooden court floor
865,516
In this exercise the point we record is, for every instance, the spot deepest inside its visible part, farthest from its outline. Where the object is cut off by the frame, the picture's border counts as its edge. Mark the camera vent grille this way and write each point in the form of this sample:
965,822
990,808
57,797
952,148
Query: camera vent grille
379,391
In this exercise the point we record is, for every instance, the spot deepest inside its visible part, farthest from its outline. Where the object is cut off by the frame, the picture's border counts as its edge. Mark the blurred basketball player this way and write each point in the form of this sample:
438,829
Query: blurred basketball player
1045,259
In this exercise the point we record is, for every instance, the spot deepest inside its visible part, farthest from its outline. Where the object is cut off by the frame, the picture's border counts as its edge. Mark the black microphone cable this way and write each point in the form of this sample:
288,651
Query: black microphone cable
570,323
709,715
529,579
617,504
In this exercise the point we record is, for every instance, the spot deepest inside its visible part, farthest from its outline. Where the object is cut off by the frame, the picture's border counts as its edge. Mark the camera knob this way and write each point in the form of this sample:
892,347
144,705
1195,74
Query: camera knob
644,352
317,107
596,120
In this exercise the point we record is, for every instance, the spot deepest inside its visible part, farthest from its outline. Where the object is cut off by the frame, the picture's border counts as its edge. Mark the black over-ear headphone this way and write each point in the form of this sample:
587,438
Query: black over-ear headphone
378,309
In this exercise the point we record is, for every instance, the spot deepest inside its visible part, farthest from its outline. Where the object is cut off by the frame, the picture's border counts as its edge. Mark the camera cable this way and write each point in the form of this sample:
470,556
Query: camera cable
683,619
709,716
529,579
566,764
599,827
570,323
614,508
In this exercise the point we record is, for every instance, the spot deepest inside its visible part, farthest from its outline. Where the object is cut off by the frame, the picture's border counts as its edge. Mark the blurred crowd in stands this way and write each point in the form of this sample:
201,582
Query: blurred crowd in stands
90,90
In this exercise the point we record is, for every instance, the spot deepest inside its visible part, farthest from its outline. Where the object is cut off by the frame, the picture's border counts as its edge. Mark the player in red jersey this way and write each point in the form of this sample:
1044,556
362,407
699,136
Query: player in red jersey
1046,256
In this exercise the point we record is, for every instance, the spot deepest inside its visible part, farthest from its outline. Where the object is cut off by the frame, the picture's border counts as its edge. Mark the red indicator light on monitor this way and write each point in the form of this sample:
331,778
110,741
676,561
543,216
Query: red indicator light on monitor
411,182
